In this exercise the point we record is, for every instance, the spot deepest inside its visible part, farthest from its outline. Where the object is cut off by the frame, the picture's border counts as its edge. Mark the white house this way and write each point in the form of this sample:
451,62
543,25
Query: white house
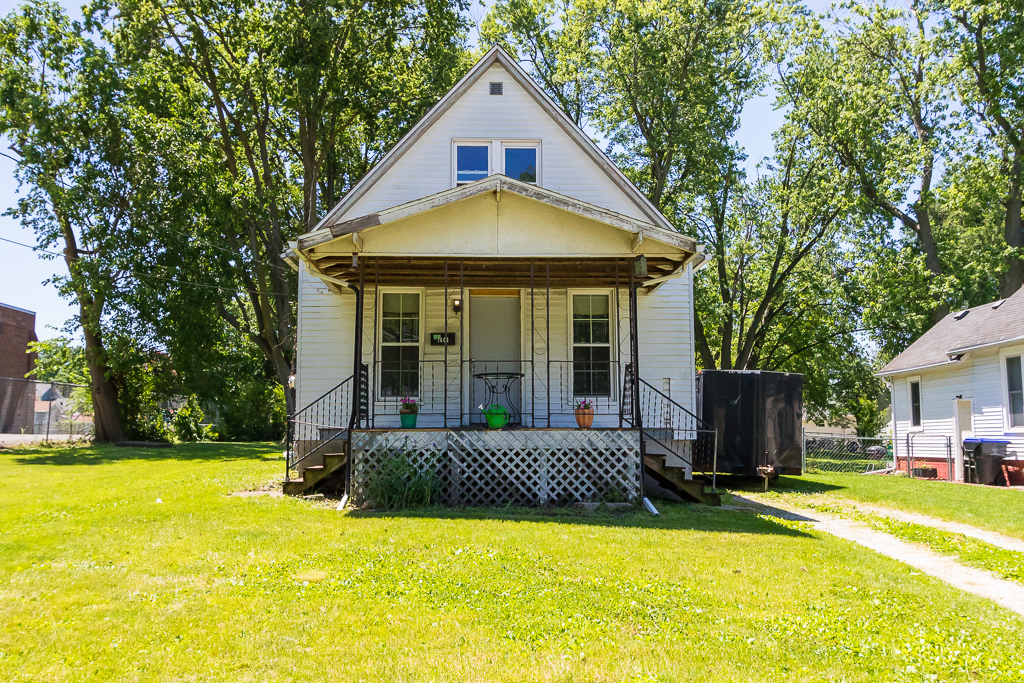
962,378
496,256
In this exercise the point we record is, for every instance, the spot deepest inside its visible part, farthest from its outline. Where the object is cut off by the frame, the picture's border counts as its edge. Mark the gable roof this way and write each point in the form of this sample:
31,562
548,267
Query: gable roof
496,55
958,333
496,183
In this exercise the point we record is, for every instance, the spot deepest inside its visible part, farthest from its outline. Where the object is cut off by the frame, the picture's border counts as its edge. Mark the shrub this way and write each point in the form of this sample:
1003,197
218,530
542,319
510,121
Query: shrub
252,410
188,422
399,482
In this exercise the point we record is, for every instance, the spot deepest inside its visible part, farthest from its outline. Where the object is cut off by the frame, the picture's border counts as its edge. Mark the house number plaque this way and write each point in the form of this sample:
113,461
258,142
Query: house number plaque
442,339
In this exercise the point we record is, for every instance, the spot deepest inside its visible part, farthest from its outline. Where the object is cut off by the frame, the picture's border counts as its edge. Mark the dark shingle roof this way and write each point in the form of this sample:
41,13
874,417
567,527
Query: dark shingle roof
962,331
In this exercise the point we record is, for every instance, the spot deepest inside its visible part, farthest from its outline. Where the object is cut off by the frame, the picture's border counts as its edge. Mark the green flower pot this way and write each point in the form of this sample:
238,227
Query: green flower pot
408,420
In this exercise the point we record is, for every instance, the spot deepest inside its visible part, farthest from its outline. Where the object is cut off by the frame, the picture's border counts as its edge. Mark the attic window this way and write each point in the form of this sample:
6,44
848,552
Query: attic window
471,163
961,315
497,88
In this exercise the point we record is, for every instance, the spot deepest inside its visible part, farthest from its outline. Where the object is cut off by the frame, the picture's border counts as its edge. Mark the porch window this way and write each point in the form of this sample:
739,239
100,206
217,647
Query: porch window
471,163
521,163
591,346
400,344
915,404
1015,391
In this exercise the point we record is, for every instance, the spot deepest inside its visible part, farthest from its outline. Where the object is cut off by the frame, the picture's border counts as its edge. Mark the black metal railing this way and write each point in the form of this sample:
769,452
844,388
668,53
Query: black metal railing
449,393
322,422
678,431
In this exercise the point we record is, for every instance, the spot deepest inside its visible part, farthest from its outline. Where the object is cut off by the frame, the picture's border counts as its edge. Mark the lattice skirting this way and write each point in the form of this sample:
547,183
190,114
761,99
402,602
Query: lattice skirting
520,467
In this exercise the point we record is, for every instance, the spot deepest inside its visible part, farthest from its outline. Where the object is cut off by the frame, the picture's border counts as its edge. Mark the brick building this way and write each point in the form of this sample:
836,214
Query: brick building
17,398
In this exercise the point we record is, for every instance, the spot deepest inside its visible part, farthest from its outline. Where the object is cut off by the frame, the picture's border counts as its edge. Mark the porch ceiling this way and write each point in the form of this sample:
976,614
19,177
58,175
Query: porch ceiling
491,272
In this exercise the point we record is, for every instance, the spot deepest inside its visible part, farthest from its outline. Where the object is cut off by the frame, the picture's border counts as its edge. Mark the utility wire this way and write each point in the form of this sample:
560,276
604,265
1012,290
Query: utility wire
157,277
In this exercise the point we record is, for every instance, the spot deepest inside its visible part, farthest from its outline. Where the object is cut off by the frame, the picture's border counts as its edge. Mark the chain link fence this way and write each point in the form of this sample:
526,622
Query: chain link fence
32,411
853,454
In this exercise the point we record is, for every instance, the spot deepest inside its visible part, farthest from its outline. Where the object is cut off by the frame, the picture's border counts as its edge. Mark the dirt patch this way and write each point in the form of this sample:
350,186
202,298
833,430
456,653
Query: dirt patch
977,581
991,537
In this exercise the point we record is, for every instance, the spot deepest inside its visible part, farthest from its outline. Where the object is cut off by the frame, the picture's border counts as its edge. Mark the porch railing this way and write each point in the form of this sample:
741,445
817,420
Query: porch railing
678,431
322,422
449,392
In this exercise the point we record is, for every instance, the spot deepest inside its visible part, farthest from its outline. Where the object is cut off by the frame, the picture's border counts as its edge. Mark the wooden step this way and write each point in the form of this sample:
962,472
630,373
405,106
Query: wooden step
313,475
674,479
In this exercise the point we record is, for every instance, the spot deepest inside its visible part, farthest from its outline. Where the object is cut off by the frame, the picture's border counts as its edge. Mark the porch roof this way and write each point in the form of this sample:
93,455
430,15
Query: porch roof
478,245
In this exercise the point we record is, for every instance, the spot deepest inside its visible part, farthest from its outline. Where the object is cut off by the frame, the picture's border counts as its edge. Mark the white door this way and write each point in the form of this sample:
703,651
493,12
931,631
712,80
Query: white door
494,347
964,429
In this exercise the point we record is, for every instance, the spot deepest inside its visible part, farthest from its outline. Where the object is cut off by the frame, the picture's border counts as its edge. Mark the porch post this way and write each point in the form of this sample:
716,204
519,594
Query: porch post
634,353
357,353
444,310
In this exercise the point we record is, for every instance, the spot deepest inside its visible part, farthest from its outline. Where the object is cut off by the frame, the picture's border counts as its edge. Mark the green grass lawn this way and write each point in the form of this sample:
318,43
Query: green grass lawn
988,507
99,581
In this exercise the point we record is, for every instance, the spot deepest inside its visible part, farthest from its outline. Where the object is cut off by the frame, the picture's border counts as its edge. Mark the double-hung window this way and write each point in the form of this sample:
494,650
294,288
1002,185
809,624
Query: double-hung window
915,403
400,344
591,345
1015,391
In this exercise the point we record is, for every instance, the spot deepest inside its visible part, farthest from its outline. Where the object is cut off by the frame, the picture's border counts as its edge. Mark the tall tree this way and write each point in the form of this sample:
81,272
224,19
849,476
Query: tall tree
872,93
61,108
291,91
986,40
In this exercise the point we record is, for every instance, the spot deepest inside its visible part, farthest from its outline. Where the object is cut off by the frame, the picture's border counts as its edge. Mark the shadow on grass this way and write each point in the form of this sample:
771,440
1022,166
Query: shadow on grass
787,484
107,454
674,517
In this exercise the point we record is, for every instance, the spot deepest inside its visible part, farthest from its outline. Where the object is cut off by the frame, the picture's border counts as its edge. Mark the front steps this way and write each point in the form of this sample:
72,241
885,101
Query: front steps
674,479
317,475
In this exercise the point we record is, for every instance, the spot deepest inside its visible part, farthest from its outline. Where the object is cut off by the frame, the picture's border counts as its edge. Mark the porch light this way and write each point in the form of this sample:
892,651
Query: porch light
640,265
355,261
457,305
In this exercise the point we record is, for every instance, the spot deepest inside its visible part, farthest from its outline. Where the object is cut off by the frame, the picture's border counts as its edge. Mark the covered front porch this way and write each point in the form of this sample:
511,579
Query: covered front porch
535,308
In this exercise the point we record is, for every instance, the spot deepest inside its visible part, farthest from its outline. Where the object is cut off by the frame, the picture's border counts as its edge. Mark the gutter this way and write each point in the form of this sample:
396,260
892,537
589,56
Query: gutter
965,349
890,373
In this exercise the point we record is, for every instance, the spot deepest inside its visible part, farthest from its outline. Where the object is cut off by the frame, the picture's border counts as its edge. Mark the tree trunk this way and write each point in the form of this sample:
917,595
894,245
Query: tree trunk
106,409
1013,230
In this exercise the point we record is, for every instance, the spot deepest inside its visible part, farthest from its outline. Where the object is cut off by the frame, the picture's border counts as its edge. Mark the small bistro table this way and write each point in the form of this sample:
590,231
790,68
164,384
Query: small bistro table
500,384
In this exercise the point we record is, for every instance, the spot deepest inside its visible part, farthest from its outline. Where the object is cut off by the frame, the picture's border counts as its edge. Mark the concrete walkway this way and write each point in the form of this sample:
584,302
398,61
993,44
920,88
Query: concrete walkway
1007,594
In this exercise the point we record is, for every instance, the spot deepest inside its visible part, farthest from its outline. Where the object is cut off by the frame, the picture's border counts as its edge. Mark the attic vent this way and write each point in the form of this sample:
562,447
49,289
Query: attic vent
961,315
497,88
998,304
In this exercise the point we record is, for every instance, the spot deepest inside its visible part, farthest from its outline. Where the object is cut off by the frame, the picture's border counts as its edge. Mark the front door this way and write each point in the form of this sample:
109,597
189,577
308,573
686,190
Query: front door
494,350
964,429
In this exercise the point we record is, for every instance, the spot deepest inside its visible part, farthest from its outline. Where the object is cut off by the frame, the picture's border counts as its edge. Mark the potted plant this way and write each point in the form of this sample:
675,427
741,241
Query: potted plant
407,412
584,413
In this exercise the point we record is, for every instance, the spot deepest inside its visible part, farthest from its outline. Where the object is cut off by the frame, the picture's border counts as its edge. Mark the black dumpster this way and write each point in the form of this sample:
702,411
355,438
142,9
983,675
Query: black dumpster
758,416
988,457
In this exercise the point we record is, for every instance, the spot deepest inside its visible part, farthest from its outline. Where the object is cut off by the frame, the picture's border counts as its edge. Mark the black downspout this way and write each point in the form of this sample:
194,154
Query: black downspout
634,344
357,375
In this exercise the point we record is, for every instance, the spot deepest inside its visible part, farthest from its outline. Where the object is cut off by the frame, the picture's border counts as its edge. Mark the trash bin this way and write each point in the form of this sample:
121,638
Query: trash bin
988,457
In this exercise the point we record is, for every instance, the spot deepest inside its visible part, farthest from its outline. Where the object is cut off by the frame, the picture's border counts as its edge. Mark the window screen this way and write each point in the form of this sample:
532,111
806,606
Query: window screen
915,404
470,163
591,346
1015,390
400,344
521,163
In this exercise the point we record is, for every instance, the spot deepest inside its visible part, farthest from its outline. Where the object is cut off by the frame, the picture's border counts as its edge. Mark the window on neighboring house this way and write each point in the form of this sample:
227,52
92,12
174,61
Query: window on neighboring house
915,404
400,344
521,163
1015,390
471,163
591,346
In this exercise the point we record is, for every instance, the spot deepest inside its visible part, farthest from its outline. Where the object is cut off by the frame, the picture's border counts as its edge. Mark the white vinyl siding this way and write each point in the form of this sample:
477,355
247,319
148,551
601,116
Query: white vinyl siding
425,168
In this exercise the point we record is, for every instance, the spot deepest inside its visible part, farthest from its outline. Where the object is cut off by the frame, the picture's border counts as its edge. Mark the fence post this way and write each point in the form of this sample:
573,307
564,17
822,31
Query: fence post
49,412
803,450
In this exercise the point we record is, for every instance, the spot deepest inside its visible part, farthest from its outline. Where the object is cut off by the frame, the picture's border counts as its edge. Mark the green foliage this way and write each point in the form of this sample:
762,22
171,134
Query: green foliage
403,481
252,410
188,420
59,360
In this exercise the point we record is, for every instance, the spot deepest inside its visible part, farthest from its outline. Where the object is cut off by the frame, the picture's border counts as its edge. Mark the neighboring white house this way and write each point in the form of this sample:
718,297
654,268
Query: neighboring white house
494,238
963,377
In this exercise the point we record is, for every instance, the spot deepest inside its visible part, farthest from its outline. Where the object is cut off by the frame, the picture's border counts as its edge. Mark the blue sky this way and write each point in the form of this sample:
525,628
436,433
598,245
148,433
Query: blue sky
22,271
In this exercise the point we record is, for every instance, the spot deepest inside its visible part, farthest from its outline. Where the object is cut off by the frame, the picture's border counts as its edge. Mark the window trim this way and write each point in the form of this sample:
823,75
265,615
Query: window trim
381,291
613,319
1004,400
522,144
910,403
471,142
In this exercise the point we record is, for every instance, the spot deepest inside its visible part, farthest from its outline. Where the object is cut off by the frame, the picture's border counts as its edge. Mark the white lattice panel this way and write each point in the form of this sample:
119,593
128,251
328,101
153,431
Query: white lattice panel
519,467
